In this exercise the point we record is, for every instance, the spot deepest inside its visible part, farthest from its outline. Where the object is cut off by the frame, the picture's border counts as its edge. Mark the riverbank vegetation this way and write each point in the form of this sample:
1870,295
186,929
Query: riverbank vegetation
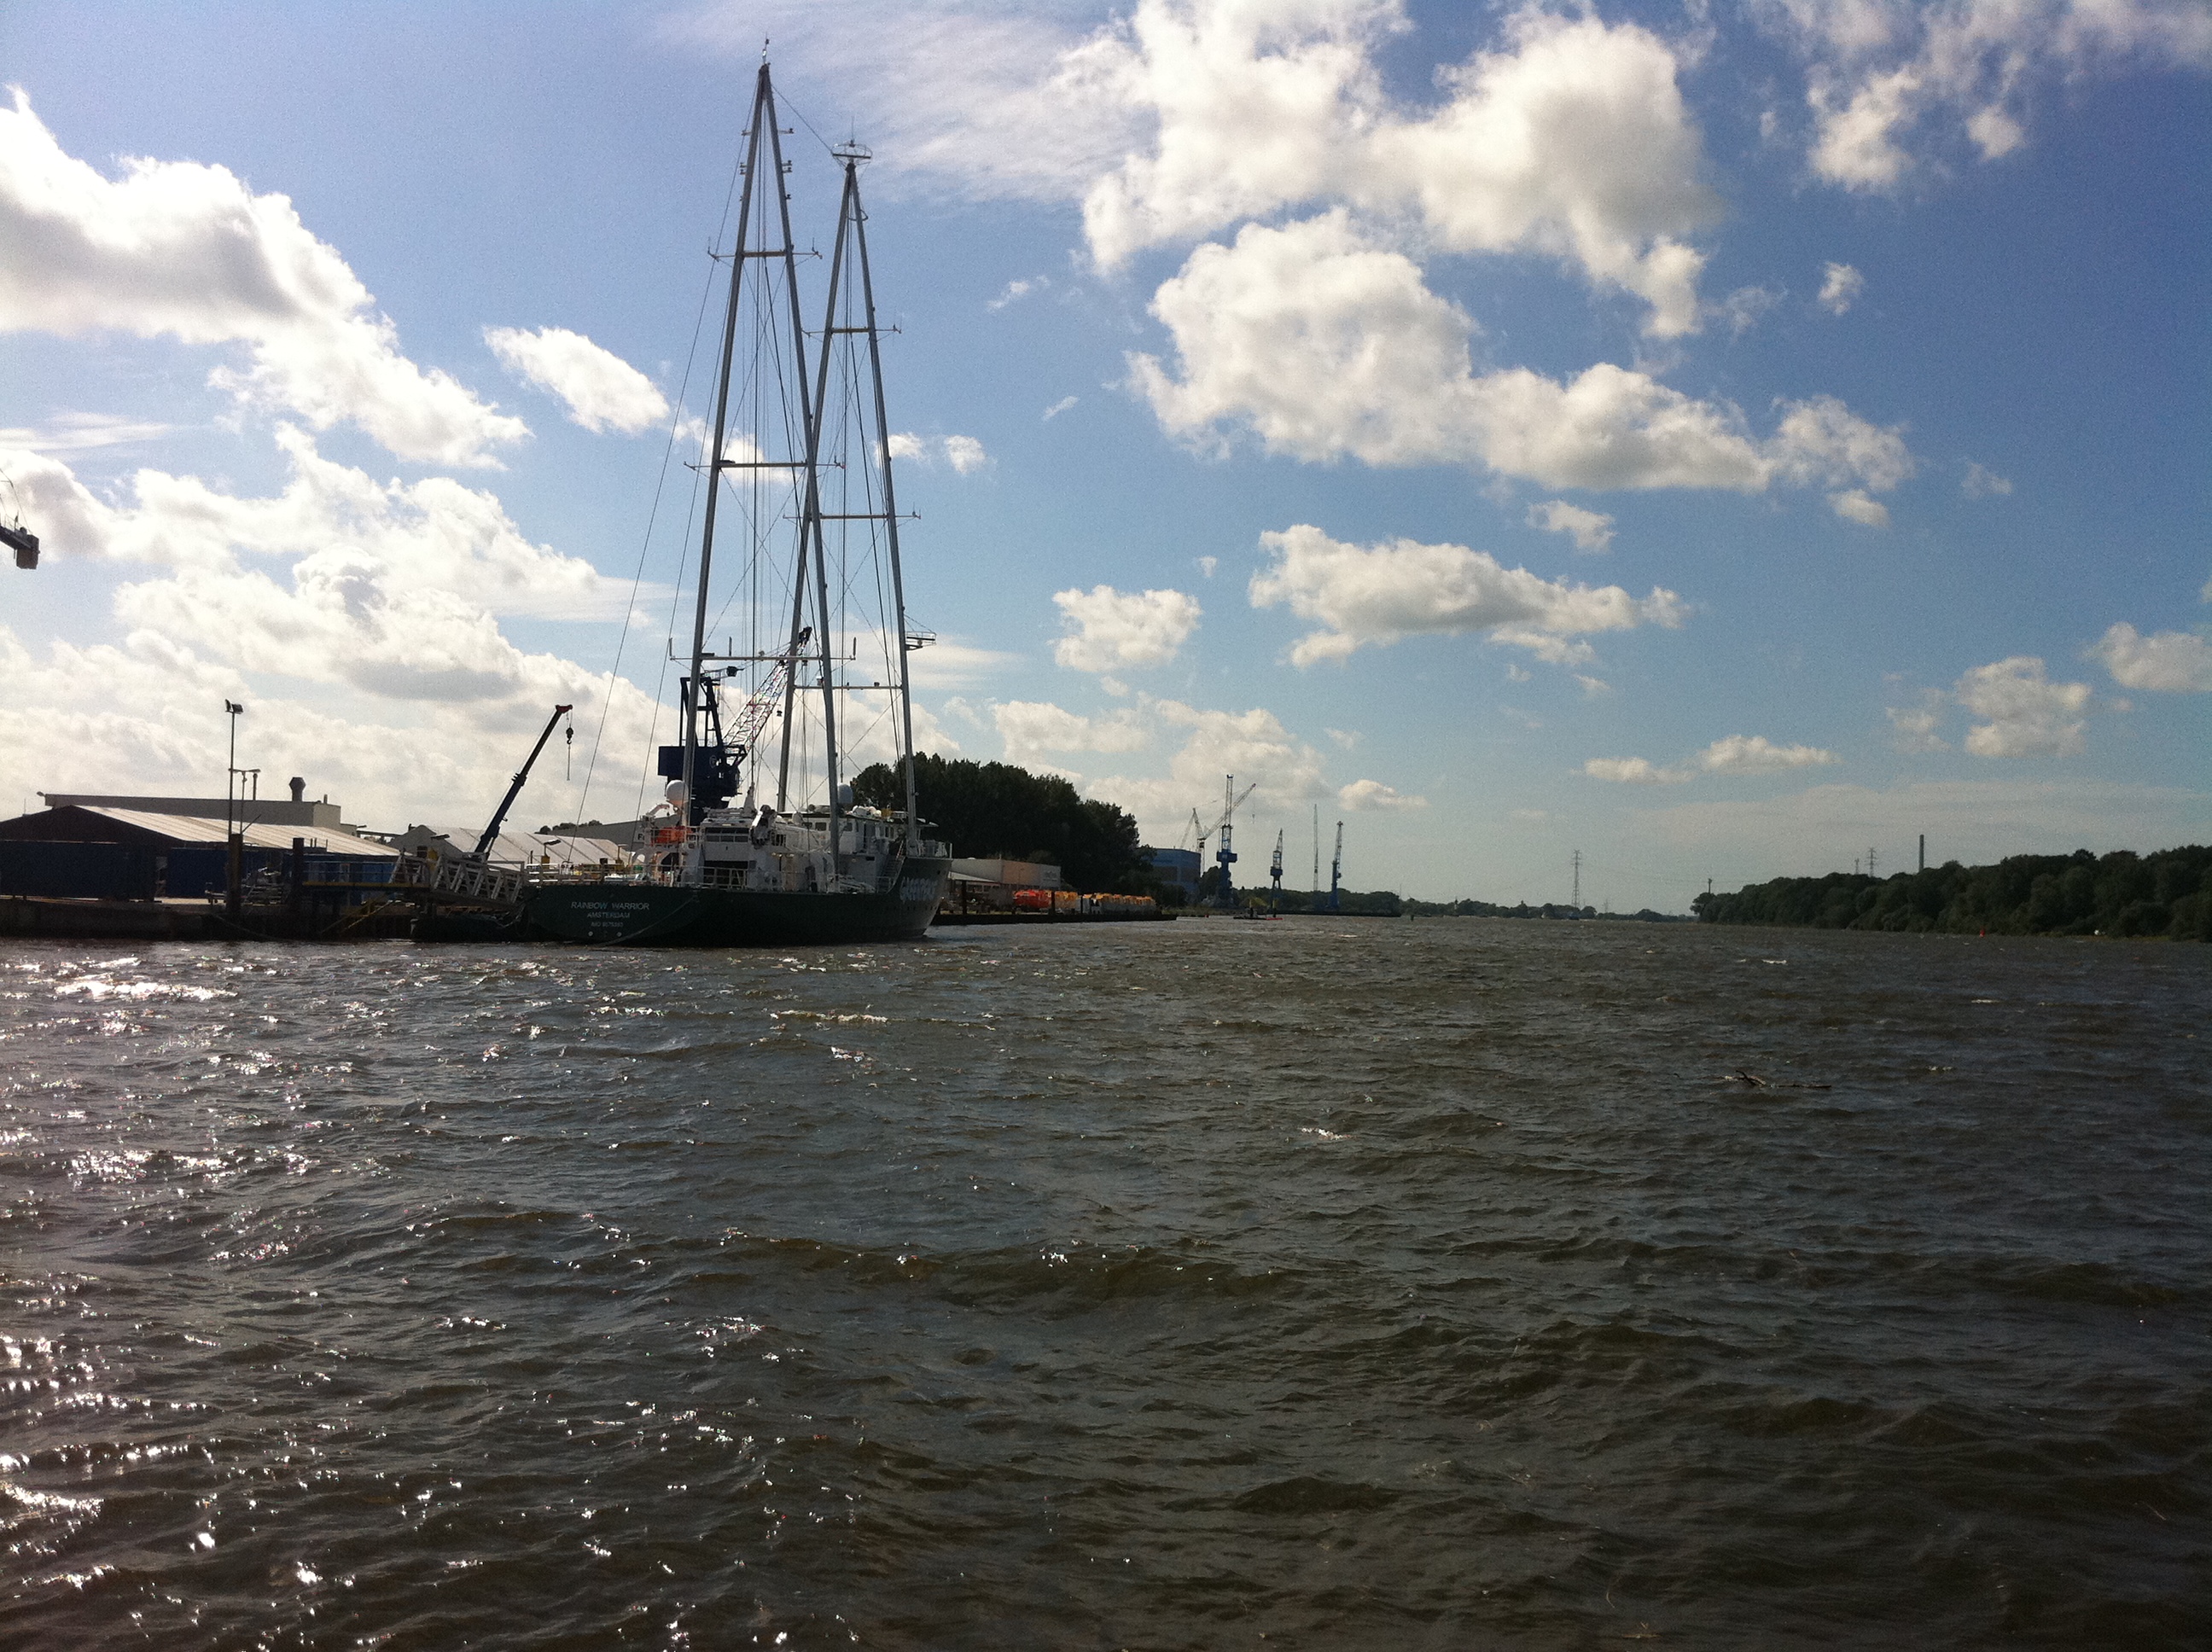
1523,909
2168,893
996,811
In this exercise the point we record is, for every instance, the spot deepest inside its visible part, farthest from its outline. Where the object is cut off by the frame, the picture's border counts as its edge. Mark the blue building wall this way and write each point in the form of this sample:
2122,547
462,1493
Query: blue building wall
1179,866
127,872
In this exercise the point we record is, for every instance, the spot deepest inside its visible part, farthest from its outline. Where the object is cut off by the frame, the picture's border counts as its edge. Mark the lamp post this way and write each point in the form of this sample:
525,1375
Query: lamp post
234,838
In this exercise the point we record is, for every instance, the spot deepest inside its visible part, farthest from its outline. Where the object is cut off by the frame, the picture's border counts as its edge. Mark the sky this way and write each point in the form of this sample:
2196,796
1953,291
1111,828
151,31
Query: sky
1721,440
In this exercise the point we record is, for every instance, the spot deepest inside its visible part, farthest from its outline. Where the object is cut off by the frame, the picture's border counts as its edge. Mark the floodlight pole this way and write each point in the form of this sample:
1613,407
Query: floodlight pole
235,837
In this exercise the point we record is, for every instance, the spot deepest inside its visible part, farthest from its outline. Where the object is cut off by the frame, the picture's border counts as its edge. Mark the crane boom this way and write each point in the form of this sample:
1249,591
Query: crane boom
499,817
766,700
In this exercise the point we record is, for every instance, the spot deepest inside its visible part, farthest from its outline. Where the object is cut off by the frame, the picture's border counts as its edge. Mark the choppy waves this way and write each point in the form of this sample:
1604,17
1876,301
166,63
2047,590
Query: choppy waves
1392,1284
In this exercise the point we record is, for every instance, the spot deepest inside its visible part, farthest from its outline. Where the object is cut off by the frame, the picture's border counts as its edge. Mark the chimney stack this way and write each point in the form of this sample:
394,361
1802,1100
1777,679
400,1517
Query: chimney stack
299,789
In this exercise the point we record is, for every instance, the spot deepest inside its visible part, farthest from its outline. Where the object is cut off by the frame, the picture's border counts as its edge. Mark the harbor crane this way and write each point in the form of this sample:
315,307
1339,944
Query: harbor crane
1224,856
1275,876
1336,868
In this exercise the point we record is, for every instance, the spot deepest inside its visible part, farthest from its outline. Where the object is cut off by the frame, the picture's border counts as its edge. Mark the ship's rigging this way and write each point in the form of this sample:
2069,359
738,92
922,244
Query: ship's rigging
807,453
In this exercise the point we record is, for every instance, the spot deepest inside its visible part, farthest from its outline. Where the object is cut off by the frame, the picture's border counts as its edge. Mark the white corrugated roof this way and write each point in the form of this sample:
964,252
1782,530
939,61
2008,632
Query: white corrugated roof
528,848
190,829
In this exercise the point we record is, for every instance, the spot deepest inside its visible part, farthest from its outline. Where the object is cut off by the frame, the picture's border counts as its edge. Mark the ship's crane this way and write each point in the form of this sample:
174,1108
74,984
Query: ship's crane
753,717
499,817
719,754
1336,867
1275,876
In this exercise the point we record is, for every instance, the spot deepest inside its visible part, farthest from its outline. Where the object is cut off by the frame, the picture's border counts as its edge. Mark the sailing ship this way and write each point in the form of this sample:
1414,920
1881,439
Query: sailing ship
738,855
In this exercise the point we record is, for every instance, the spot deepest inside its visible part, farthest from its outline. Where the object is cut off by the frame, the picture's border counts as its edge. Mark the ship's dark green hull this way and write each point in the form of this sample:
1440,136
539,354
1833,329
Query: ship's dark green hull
664,914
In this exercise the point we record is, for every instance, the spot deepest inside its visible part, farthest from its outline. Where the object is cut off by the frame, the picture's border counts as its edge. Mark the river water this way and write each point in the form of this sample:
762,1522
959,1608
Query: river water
1318,1283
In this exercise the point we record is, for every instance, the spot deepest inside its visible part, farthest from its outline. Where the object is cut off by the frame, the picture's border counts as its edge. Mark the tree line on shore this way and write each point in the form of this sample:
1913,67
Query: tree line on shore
2167,893
997,810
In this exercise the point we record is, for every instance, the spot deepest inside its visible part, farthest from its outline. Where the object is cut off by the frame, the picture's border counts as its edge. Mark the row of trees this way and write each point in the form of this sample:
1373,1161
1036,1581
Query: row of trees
998,810
2168,893
1489,909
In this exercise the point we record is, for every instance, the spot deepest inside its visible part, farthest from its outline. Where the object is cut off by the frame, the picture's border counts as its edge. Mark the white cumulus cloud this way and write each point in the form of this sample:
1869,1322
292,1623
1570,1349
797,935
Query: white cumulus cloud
1982,483
2171,662
1571,142
1889,80
1746,306
1840,287
357,619
603,391
185,251
1856,505
1365,795
2025,714
1375,595
1110,630
1916,728
1735,754
1633,771
1276,133
1015,291
1325,346
1592,531
1754,754
964,453
1033,730
435,534
1287,773
1821,441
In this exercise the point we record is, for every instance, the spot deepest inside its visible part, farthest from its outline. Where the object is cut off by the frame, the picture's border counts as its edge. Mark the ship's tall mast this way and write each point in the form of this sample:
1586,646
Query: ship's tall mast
763,147
852,225
695,691
810,534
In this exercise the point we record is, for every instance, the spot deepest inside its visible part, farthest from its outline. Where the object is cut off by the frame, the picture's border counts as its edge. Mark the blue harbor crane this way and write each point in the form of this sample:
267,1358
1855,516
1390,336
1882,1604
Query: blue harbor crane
1224,856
